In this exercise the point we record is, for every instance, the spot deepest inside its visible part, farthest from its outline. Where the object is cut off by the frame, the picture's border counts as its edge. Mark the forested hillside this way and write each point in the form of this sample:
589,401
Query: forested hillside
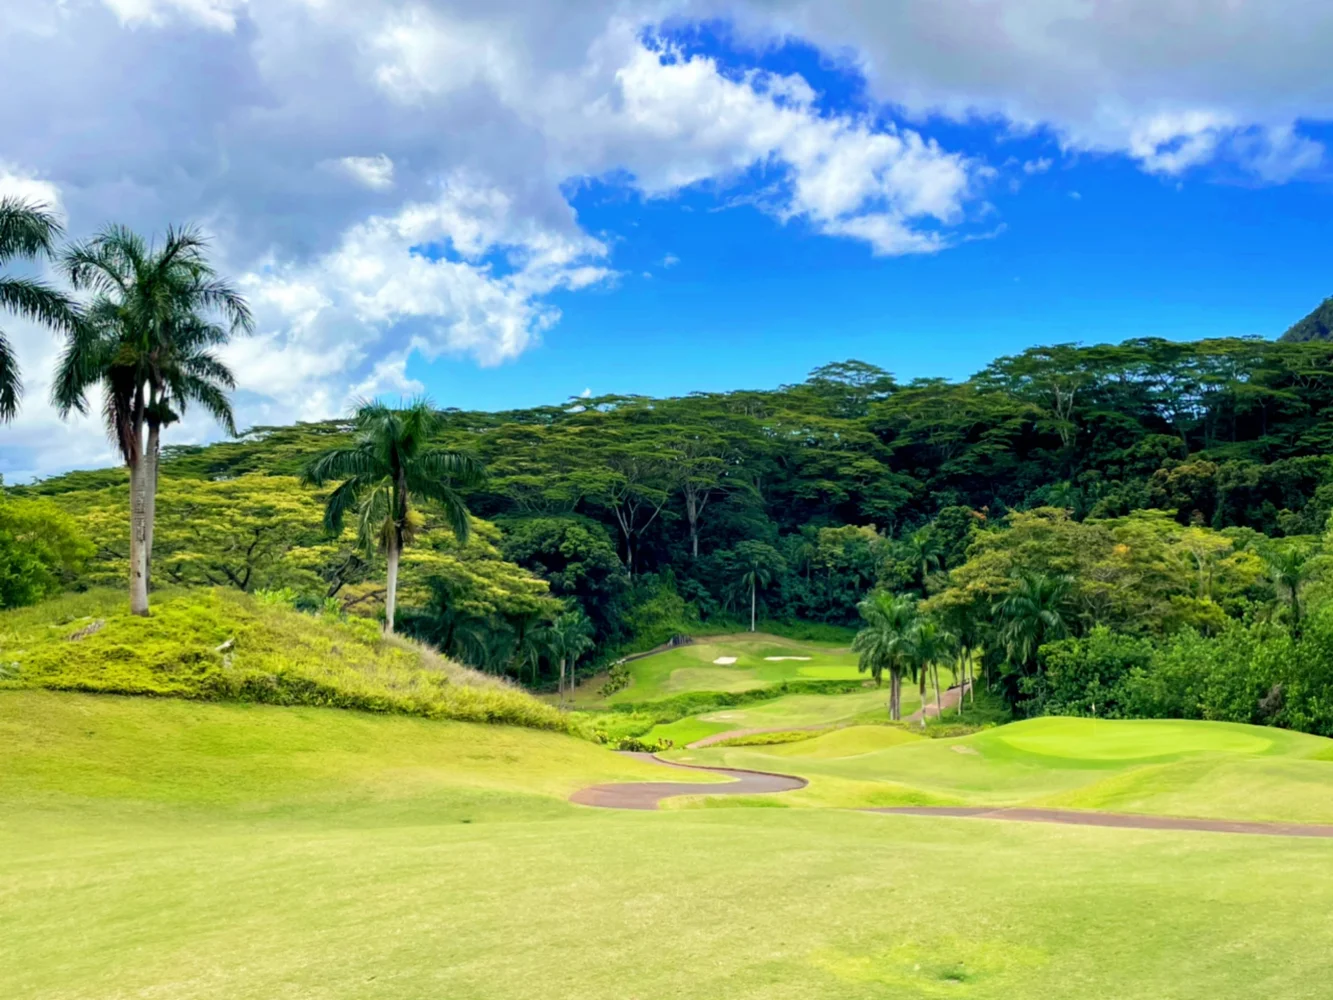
1158,484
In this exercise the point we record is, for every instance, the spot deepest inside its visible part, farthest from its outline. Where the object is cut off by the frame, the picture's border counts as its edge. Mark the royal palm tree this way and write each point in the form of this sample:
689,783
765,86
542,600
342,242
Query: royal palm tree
570,637
28,230
759,563
146,338
933,643
388,467
1291,567
1032,614
887,641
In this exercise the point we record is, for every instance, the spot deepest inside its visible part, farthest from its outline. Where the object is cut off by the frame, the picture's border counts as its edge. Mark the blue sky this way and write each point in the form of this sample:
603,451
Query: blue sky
503,203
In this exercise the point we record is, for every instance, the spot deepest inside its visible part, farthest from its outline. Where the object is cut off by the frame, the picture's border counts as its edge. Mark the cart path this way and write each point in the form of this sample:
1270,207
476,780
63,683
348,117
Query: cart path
647,795
950,698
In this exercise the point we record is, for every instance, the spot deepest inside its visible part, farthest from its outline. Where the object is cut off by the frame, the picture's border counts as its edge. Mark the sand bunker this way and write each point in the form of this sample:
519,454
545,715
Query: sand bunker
725,661
775,659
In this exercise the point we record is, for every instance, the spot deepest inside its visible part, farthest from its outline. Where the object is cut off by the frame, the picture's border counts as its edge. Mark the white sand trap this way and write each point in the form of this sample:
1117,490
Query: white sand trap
725,661
775,659
970,751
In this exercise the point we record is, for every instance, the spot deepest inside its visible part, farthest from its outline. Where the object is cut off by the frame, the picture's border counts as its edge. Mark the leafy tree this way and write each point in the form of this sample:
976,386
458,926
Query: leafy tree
28,230
42,550
388,467
887,641
146,339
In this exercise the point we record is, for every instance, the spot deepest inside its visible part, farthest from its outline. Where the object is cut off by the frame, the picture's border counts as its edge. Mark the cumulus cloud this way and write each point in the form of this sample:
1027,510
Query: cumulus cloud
392,177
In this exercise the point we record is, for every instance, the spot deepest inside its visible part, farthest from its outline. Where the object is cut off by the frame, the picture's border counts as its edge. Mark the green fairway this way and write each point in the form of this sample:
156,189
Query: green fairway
164,848
1204,769
758,660
793,711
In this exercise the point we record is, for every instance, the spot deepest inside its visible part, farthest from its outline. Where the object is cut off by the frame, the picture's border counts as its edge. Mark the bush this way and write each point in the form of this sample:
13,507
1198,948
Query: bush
223,645
633,744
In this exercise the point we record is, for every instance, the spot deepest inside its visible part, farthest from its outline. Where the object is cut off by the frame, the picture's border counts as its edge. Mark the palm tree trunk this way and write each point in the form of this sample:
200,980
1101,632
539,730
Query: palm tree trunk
895,695
753,587
391,592
939,704
562,678
138,538
150,492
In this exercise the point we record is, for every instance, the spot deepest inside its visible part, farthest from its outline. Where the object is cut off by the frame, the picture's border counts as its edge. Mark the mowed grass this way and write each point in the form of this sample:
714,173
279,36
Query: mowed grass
793,711
172,849
760,661
1199,769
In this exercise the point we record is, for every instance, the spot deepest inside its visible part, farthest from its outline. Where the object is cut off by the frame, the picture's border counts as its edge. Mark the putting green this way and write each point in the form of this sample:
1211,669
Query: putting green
1089,739
155,848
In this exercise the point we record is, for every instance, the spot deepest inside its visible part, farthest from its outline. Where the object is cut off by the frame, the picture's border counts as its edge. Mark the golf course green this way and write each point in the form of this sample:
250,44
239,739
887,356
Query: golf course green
158,847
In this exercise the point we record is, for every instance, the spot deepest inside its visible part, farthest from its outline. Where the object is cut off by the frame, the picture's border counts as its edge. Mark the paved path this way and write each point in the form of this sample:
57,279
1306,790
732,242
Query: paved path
649,795
950,697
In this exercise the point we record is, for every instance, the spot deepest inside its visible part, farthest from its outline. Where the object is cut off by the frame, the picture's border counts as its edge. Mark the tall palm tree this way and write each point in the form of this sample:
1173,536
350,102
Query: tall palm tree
887,641
27,230
570,636
759,564
387,468
933,643
147,339
925,551
1032,614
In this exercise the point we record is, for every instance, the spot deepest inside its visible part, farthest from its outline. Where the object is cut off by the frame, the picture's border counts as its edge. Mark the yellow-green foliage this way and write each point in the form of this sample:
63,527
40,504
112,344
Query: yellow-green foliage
257,532
222,645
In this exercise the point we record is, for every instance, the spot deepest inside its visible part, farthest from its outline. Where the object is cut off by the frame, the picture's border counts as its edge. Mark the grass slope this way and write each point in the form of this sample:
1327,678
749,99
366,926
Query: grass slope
189,850
223,645
1203,769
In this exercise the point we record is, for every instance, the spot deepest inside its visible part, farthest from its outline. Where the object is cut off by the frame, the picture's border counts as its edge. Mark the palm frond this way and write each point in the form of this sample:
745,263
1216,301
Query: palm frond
342,463
27,229
11,384
36,300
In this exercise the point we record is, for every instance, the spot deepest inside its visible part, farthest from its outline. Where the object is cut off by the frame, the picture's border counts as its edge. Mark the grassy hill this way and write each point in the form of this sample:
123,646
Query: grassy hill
163,847
224,645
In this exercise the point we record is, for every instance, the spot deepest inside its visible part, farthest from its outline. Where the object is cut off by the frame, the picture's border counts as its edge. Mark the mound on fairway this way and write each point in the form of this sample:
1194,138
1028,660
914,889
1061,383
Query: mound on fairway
223,645
1209,770
166,848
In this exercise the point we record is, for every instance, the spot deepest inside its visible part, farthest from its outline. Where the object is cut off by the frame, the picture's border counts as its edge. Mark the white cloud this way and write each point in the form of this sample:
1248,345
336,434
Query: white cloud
16,182
670,260
375,172
217,14
1037,166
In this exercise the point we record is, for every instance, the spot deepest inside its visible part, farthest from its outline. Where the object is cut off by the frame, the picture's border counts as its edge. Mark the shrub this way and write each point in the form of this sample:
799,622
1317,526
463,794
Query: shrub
635,745
222,645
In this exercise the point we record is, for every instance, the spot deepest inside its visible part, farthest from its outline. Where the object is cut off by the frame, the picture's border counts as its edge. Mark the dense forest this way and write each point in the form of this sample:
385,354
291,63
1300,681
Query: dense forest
1155,509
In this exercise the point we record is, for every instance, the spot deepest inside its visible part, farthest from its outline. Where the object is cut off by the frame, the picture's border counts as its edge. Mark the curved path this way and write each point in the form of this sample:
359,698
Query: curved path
649,794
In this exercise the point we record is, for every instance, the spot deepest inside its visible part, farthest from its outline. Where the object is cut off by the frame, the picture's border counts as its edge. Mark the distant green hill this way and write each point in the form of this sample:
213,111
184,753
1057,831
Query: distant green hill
1317,326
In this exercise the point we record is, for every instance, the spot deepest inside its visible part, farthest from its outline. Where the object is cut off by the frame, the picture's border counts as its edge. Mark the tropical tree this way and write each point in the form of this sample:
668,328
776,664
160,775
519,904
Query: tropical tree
1031,614
924,550
27,230
759,564
570,636
933,643
388,467
1291,567
887,641
147,339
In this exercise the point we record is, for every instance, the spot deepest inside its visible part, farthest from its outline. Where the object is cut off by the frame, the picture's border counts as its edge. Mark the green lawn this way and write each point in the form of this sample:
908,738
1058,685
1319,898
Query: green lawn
760,660
1204,769
159,848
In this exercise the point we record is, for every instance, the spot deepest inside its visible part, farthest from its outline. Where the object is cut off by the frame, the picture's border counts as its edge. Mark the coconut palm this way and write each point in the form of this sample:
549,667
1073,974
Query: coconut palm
933,643
570,636
1032,614
388,467
759,563
146,339
27,230
1291,567
887,641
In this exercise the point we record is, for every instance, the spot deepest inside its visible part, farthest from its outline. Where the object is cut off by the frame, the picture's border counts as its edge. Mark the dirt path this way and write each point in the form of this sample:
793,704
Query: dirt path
950,697
649,794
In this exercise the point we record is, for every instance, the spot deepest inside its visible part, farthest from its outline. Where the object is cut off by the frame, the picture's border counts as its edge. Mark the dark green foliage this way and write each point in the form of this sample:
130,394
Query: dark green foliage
1318,325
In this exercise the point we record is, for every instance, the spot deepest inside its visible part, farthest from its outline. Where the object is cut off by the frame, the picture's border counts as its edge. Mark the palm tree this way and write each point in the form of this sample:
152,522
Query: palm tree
933,643
147,338
27,230
1032,614
1291,568
925,551
887,641
387,468
570,637
759,564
